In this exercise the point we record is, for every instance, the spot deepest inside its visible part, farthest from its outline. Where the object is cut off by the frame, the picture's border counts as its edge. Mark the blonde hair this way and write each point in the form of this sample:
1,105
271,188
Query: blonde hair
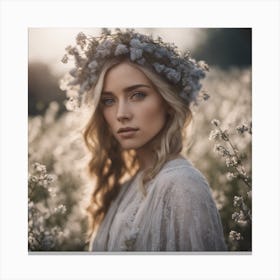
109,164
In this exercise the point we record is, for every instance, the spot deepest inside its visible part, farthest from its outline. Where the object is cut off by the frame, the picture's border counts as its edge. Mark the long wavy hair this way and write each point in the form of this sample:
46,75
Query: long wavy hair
109,164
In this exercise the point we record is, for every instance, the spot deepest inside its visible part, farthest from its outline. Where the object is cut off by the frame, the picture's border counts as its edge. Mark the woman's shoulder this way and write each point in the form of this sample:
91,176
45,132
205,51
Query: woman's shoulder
180,175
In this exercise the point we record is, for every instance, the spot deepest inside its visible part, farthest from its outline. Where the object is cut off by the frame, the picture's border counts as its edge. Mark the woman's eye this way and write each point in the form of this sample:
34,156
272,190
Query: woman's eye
138,95
107,101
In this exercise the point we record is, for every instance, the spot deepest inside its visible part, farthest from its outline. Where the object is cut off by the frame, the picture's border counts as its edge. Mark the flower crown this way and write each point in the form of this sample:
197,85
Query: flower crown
91,53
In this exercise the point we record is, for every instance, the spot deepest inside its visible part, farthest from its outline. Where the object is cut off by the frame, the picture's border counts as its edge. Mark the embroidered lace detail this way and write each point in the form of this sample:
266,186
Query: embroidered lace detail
132,233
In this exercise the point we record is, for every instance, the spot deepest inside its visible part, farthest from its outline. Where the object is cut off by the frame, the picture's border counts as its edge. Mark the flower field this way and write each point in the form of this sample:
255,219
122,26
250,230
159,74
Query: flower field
219,145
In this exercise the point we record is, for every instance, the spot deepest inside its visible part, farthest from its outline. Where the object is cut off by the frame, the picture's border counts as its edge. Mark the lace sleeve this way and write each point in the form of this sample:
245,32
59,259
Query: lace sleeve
190,220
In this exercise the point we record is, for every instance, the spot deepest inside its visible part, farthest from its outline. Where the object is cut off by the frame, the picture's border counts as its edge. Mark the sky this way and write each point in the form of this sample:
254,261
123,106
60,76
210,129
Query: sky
47,45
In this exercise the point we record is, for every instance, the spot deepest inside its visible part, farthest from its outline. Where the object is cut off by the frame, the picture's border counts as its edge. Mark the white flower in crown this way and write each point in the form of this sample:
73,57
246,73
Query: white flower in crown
104,49
121,49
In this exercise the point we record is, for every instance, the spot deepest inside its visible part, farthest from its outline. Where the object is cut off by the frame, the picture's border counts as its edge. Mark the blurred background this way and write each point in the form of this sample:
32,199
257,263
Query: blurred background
58,186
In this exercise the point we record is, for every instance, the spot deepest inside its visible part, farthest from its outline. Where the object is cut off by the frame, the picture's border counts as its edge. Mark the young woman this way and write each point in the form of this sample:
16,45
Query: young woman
147,196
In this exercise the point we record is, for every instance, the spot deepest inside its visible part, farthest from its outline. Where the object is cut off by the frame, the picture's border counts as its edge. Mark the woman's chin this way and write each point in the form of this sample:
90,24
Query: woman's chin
128,145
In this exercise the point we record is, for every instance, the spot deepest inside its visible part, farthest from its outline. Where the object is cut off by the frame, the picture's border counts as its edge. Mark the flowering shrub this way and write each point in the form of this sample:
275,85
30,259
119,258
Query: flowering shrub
45,218
225,120
57,217
234,162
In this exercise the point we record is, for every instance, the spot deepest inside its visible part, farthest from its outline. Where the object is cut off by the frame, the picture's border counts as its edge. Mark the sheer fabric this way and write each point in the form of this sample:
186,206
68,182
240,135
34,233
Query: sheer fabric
177,214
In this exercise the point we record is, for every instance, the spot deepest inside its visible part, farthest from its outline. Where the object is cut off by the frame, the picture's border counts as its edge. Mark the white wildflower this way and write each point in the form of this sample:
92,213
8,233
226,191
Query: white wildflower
39,167
230,176
61,209
237,201
234,235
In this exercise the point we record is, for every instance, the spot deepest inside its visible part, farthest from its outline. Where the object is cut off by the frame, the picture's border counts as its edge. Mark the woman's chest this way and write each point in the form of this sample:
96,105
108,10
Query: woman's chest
131,220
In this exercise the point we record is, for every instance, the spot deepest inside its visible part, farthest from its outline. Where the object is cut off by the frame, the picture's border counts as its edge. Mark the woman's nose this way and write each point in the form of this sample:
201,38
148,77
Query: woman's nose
123,112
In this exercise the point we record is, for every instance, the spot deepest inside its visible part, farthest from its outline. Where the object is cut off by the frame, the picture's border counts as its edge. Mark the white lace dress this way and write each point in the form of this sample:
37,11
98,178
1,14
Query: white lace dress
177,214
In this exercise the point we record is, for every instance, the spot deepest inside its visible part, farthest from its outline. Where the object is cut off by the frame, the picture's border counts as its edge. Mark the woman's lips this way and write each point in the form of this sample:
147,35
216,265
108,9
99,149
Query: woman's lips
127,132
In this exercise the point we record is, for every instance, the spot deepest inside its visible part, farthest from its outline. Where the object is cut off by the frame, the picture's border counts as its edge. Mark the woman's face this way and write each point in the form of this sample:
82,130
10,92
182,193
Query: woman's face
133,109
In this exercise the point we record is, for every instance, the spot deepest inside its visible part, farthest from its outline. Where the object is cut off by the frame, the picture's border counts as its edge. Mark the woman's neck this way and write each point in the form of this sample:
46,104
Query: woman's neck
145,158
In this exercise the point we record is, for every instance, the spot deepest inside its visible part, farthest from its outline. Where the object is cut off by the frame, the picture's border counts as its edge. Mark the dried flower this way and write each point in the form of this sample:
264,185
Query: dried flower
221,150
158,67
214,134
135,54
205,96
242,128
93,65
64,59
172,75
215,122
121,49
81,39
224,135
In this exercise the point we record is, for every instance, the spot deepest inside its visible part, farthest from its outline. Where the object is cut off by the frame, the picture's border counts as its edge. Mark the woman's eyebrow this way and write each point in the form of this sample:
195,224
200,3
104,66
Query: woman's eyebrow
128,89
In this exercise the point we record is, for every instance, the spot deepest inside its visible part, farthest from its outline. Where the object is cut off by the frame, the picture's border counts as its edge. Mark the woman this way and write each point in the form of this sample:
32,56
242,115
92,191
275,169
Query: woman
147,196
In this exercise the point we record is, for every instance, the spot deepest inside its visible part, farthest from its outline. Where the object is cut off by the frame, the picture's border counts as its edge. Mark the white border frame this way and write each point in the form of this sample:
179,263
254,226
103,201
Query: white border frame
18,16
